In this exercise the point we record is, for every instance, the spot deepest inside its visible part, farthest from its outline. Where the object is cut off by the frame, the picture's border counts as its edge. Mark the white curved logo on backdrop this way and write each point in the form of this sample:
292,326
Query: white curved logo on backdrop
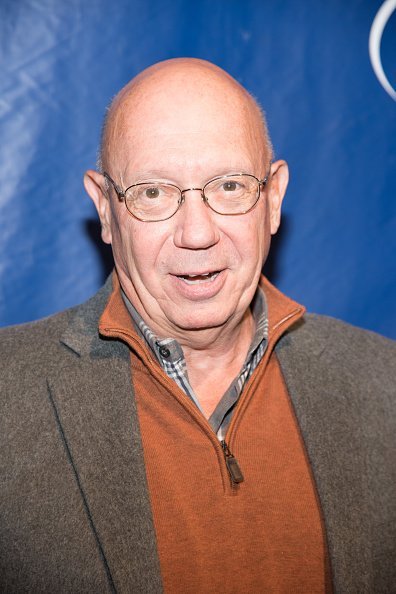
376,31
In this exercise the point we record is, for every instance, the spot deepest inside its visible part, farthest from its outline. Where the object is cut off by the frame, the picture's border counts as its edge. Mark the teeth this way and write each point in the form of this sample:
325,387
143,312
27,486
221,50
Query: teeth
195,275
195,279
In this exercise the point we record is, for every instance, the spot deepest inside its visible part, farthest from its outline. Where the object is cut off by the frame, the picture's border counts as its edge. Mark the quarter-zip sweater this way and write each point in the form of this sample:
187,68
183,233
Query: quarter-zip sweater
264,534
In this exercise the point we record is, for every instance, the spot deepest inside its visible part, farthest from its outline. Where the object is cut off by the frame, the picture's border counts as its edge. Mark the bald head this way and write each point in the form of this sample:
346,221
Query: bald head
185,135
184,92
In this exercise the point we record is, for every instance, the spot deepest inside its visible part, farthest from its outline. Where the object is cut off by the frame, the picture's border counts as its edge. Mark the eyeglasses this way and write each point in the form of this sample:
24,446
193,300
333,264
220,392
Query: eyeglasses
152,201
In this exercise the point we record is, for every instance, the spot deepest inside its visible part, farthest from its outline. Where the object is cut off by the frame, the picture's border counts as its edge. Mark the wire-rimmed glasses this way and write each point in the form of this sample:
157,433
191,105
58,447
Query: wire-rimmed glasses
152,201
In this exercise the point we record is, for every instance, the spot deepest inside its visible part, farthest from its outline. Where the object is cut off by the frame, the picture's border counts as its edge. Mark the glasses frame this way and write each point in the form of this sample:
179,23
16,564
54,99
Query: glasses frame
121,194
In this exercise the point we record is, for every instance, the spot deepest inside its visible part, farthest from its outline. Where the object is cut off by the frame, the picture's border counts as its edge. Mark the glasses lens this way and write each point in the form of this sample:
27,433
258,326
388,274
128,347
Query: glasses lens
152,201
233,194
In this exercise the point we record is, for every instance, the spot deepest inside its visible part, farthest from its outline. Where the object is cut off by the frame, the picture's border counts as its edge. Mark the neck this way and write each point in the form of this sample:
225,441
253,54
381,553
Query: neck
223,343
214,356
211,369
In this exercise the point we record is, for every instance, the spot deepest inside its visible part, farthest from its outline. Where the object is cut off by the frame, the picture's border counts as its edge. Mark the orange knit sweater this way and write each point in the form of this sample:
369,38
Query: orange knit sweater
262,535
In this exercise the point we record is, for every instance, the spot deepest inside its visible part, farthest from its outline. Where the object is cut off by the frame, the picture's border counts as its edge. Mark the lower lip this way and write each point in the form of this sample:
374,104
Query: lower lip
200,290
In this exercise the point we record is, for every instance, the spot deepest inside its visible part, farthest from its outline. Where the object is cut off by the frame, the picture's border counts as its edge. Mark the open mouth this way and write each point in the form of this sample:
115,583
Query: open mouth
196,279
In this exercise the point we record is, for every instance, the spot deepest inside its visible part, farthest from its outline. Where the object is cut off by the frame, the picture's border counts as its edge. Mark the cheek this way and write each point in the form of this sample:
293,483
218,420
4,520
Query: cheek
122,242
252,238
137,247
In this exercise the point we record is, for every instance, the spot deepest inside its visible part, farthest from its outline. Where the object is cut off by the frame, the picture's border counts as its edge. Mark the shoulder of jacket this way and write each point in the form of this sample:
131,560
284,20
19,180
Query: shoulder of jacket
337,345
32,341
25,335
321,326
345,333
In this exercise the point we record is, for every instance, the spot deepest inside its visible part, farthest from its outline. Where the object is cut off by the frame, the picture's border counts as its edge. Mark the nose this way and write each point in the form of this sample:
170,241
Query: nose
195,224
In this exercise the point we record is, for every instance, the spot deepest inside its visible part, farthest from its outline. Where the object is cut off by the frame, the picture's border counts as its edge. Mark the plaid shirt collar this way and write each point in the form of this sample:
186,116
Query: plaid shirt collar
170,356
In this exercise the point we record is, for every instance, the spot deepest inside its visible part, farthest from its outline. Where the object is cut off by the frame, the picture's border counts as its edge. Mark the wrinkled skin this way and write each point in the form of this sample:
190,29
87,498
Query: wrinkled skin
186,121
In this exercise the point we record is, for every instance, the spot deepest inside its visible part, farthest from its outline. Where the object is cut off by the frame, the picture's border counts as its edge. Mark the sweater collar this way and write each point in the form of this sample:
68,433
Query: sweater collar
116,320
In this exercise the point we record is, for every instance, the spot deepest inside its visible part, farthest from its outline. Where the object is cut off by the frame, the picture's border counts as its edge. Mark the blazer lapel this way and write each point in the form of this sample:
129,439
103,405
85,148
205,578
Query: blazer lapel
329,417
97,418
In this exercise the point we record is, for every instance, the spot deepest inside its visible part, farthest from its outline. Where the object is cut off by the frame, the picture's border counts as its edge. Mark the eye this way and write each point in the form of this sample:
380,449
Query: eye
230,186
152,192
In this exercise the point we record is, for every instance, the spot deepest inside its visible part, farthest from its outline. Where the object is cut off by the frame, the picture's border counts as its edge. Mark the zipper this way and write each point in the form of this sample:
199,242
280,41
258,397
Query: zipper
232,464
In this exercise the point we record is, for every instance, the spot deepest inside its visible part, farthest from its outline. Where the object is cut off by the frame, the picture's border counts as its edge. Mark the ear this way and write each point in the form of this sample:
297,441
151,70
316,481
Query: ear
95,186
276,191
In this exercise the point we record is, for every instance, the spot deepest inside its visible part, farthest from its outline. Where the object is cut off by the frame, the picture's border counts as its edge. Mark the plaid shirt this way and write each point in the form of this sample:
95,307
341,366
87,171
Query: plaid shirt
170,356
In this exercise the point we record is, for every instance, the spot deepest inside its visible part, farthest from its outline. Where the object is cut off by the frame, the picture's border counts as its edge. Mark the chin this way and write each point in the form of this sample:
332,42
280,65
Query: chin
200,321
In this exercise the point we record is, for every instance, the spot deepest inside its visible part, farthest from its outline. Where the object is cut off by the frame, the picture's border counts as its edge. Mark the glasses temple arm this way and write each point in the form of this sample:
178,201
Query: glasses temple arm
117,189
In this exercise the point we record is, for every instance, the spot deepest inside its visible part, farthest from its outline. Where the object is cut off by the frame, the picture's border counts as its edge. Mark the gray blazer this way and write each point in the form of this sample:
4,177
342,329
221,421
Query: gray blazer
74,505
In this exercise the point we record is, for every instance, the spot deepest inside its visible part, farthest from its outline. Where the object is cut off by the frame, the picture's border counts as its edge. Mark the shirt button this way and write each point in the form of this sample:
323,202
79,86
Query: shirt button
164,352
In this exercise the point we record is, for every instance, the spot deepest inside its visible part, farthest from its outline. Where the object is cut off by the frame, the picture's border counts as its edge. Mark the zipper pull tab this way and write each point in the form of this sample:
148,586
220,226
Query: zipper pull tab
232,465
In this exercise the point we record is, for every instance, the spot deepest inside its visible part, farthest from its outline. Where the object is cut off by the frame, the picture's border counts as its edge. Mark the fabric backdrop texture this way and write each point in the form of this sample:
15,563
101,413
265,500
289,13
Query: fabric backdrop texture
329,105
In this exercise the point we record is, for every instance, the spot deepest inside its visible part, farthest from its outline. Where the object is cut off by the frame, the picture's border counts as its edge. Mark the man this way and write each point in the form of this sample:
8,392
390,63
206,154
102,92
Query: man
189,429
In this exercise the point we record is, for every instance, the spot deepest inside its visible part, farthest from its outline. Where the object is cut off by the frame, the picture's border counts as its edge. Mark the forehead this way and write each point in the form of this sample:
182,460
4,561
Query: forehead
164,128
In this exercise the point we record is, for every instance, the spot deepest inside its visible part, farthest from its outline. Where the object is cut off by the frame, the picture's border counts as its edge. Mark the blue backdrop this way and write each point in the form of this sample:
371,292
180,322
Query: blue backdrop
308,64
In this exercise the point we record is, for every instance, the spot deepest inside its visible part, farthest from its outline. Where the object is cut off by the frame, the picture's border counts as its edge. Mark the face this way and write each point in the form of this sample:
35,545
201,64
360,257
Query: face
197,271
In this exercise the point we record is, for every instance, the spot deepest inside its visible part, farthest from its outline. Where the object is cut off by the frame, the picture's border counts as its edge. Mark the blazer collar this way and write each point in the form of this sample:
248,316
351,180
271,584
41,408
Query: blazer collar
328,407
82,335
95,411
